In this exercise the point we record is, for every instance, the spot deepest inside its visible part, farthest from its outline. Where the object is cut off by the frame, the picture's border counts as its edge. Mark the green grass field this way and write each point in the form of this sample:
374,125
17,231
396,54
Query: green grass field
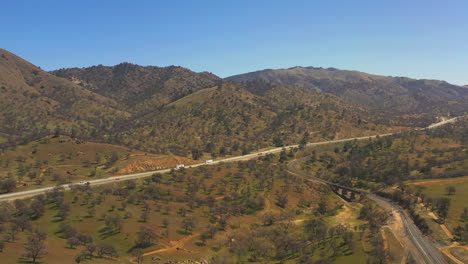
437,189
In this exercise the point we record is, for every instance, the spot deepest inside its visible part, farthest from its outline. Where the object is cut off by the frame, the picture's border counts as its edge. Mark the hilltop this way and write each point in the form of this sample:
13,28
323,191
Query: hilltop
137,86
400,95
34,102
173,110
82,124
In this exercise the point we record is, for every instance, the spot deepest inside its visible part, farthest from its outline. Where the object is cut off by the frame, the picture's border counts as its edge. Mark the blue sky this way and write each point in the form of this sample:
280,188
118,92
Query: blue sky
420,39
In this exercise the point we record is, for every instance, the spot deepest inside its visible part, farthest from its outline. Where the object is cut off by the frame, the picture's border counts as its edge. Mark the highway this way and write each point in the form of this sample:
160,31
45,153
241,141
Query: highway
27,194
30,193
422,249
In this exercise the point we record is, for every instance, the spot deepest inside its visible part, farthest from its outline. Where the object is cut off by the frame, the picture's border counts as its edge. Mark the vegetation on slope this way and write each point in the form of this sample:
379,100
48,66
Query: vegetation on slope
230,120
252,211
140,87
33,103
57,160
168,110
439,153
455,215
422,98
384,165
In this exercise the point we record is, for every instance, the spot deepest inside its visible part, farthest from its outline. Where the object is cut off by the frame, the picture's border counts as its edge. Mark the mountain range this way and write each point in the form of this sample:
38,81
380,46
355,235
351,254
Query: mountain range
135,86
400,95
175,110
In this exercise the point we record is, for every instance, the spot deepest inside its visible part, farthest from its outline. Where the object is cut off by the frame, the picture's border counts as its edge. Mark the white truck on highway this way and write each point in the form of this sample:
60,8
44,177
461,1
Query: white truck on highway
209,161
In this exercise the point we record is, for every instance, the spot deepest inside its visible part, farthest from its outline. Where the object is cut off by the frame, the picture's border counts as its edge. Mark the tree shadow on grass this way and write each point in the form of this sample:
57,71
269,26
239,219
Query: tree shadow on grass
345,250
183,232
140,246
57,219
28,261
107,232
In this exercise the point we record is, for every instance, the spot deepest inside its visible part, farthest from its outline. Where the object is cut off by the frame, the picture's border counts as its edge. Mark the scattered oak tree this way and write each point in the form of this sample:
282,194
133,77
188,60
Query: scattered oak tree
35,246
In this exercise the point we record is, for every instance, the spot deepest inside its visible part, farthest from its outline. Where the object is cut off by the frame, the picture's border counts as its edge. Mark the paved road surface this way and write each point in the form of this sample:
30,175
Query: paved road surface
425,249
422,249
26,194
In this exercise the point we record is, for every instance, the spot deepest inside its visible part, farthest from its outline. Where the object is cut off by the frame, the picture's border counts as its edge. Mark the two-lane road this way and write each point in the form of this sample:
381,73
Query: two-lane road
26,194
423,250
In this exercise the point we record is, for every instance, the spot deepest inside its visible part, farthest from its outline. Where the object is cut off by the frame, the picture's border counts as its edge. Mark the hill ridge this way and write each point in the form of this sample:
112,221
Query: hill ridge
139,86
401,95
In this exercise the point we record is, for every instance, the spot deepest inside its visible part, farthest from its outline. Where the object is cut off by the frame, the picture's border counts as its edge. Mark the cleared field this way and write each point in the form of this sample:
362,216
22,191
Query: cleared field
438,188
439,181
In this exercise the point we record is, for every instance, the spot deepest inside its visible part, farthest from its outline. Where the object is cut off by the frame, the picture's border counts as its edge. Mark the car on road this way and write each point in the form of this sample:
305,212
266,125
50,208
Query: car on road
117,179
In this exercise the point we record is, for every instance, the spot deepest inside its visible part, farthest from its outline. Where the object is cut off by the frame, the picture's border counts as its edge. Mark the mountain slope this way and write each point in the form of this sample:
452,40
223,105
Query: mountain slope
177,110
33,101
229,119
396,94
169,110
139,87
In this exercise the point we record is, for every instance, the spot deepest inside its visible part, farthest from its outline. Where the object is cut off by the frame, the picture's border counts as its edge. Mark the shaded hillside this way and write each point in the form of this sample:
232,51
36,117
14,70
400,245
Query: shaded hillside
34,102
396,94
140,87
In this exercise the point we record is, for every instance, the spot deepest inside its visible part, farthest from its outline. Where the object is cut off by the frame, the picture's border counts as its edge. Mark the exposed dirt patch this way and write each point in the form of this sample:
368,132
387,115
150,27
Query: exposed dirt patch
344,215
443,181
385,240
455,245
268,205
154,164
175,245
448,251
442,226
